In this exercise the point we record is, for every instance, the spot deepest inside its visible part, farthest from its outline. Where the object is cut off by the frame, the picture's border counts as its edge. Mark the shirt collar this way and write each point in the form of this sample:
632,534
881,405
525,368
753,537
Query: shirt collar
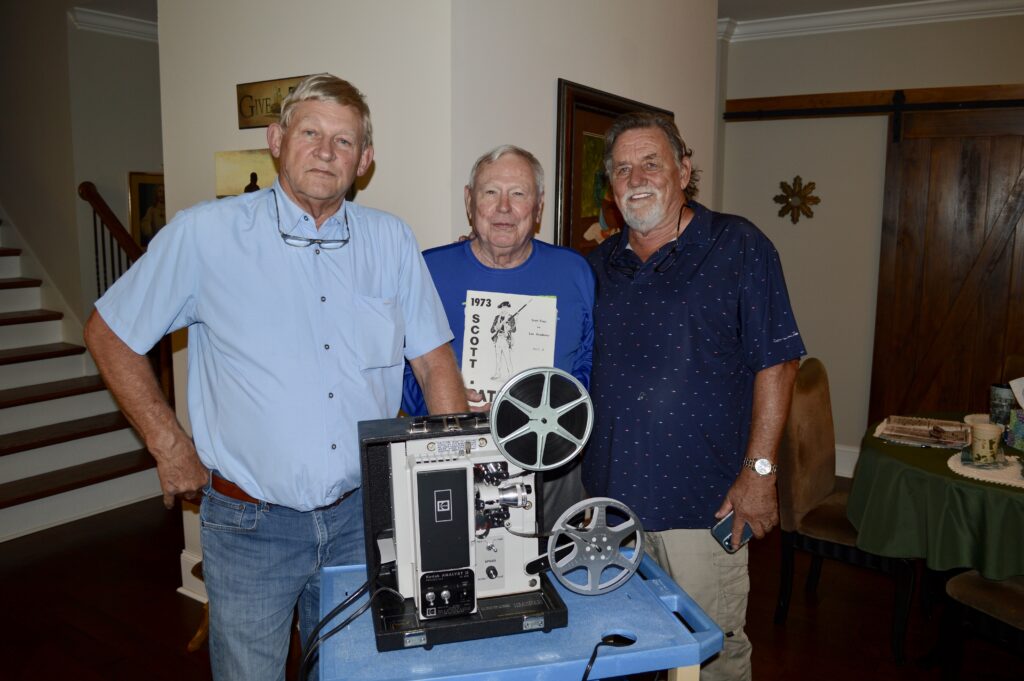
294,220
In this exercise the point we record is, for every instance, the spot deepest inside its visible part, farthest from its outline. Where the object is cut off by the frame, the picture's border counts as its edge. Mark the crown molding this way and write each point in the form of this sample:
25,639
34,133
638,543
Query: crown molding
113,24
885,16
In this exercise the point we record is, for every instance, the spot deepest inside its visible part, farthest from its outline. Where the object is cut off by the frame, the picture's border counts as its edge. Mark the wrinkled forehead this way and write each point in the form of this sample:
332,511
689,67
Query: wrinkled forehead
641,143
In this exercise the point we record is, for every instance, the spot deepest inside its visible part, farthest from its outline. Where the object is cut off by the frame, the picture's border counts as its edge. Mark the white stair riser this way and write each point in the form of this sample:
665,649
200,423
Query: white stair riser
41,371
64,508
14,299
55,457
24,335
10,266
55,411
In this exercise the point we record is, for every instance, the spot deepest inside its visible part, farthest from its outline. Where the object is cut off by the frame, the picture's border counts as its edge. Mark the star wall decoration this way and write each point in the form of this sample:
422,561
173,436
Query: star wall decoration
796,199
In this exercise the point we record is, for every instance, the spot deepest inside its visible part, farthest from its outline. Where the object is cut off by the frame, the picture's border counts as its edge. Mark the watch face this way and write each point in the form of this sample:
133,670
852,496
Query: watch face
762,466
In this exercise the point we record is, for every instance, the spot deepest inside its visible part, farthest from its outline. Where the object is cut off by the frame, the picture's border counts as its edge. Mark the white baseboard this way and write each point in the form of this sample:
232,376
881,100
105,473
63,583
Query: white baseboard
190,586
846,460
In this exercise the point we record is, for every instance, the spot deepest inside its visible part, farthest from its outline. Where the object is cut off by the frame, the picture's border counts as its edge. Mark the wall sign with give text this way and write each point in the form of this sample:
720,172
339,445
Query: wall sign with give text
259,103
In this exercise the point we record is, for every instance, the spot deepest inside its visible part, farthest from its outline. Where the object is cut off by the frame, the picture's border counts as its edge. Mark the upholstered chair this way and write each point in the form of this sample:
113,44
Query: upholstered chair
812,510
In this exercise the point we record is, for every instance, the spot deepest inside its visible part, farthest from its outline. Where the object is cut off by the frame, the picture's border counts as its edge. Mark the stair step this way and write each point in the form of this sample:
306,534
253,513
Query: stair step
33,353
15,397
6,251
43,436
29,316
67,479
20,282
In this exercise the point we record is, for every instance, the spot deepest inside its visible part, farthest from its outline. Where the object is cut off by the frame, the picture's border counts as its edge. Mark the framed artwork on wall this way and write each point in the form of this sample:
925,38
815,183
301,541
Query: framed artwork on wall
147,212
585,212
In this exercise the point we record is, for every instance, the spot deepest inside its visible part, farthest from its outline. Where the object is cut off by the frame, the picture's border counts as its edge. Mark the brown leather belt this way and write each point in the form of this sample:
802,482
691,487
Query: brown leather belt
230,489
233,491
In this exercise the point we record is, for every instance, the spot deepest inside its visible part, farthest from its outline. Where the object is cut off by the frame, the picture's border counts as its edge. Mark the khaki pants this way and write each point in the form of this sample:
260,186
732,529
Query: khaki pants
719,583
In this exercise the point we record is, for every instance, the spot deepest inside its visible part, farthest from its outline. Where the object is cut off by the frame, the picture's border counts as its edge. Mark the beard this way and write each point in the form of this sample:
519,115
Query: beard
647,218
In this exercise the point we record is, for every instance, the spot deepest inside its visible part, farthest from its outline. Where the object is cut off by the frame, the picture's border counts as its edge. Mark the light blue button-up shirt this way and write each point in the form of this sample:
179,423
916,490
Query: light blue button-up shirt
288,347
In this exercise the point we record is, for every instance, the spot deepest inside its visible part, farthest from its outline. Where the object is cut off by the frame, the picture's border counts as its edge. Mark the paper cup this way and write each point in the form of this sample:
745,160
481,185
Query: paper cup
985,439
972,419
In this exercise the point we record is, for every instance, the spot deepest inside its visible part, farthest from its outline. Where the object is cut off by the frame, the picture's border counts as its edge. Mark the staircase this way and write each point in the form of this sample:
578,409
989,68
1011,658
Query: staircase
66,451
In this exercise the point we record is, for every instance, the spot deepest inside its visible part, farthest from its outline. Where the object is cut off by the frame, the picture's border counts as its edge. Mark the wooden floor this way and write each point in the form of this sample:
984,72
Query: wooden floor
96,600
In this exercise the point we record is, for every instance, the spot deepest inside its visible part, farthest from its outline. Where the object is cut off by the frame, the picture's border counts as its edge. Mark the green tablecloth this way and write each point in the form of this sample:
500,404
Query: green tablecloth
906,503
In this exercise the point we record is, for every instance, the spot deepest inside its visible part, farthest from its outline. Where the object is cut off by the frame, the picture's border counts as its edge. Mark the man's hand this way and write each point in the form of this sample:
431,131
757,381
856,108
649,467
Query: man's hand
180,470
755,502
475,396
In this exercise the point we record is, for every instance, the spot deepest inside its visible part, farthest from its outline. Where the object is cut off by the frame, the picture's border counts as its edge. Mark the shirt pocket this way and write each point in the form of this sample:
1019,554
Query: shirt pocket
380,332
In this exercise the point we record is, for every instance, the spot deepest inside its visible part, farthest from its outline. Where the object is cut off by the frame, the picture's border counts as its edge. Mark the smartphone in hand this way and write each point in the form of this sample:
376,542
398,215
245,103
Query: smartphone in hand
722,532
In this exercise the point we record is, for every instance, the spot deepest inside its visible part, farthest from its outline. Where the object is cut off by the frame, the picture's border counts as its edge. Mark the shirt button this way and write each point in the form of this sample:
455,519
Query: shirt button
323,299
330,395
334,446
317,251
327,346
306,218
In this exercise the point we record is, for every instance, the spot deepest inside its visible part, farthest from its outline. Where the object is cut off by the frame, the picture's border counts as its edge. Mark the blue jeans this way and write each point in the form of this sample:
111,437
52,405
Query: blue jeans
259,560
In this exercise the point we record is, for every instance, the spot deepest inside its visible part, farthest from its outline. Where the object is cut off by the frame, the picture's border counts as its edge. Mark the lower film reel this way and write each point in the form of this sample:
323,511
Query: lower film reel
541,418
596,546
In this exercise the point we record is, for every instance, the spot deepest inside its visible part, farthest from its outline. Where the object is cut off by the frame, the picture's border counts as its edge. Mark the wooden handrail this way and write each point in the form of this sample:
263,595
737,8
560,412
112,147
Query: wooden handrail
116,250
89,193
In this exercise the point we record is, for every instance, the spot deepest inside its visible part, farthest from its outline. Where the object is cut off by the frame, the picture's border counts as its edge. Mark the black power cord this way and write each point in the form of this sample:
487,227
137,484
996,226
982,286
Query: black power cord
307,659
612,640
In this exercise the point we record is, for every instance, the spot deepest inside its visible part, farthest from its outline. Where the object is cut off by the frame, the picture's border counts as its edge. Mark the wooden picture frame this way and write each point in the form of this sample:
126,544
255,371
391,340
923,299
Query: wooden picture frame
585,213
147,211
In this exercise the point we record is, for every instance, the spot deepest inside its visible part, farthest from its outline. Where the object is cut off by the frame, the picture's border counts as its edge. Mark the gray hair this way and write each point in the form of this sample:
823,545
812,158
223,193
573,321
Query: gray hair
496,153
324,87
641,119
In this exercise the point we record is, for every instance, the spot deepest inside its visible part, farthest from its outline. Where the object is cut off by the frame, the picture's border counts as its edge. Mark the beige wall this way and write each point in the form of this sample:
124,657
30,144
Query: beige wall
397,53
508,57
445,79
37,187
831,261
115,122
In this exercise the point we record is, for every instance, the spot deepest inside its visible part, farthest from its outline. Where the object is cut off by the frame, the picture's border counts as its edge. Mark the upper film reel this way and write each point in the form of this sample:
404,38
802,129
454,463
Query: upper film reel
541,418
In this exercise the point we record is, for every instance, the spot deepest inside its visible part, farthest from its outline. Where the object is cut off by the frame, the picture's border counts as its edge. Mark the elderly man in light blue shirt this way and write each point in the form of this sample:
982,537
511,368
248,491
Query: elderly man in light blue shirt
301,309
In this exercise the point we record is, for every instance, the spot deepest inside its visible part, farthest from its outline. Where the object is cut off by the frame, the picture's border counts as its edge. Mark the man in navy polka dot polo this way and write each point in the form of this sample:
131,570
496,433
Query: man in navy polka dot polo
695,354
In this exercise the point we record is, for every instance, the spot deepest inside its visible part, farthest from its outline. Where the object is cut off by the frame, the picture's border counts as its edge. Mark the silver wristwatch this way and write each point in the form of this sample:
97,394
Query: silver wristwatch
762,467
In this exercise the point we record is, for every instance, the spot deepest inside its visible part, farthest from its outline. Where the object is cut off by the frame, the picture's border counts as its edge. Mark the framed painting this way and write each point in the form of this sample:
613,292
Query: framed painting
585,212
147,212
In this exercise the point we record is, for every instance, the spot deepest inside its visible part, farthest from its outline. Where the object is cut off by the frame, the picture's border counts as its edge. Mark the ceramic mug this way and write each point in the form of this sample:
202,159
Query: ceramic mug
985,441
1001,401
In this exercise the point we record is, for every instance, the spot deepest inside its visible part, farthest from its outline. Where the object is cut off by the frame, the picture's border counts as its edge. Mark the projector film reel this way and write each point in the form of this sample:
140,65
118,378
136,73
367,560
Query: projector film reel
596,546
541,418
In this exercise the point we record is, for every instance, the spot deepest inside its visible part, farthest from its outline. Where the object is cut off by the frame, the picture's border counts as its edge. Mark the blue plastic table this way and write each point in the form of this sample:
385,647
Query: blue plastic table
644,607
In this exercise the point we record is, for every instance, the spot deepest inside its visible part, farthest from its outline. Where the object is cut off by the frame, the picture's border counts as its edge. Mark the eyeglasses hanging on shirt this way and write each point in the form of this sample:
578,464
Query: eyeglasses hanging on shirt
617,262
304,241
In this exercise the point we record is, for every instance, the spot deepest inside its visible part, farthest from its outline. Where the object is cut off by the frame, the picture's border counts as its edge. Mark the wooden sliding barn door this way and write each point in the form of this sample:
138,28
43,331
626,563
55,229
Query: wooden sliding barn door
951,277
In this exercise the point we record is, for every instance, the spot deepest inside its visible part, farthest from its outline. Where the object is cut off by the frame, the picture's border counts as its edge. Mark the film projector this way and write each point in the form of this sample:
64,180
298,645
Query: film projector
452,507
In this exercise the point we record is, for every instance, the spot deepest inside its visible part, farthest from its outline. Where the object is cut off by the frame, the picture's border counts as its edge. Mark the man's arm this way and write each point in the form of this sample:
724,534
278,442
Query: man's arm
752,496
439,377
130,378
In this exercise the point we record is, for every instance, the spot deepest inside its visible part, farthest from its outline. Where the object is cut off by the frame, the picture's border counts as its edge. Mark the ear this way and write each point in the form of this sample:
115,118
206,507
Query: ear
537,213
275,133
468,195
686,169
365,159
